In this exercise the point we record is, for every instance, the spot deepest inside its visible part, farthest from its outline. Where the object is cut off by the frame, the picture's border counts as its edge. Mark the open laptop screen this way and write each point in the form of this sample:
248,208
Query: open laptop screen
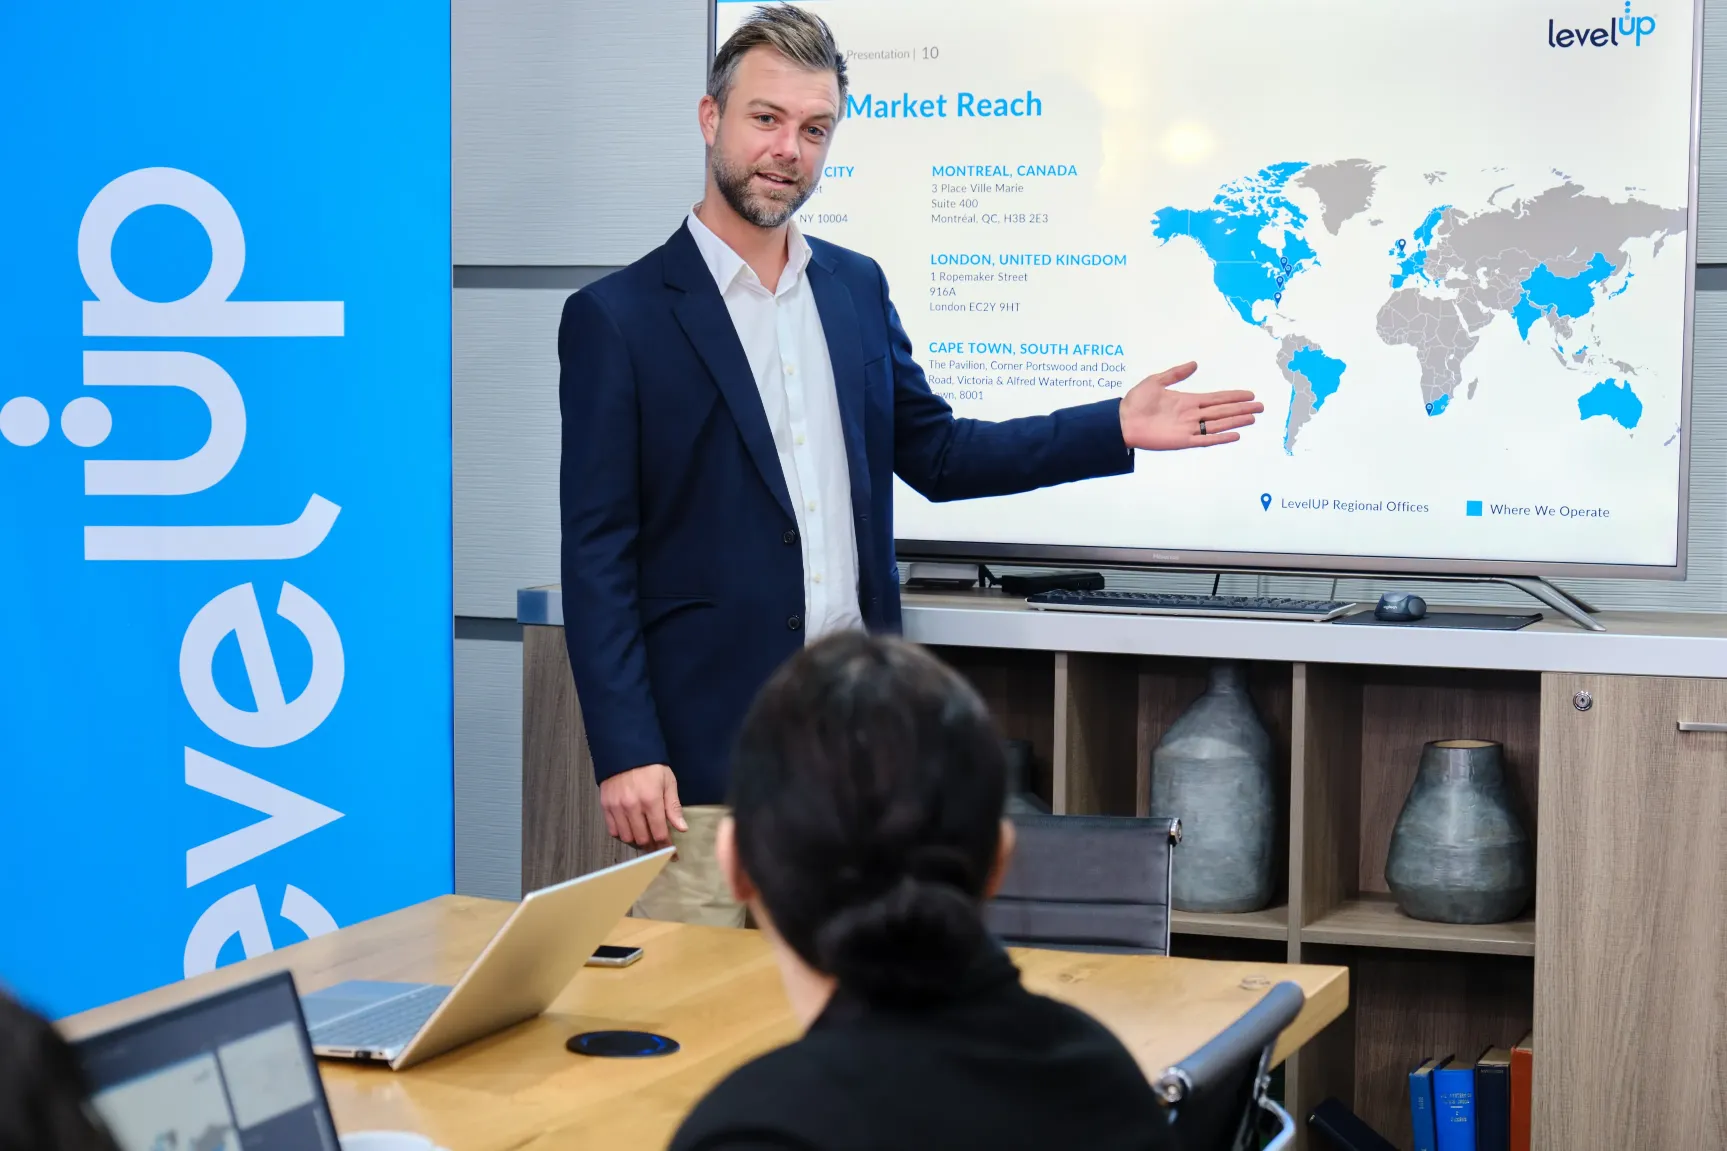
232,1072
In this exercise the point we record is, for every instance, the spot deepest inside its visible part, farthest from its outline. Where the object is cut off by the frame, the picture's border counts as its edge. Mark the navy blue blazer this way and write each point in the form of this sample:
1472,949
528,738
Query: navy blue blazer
682,575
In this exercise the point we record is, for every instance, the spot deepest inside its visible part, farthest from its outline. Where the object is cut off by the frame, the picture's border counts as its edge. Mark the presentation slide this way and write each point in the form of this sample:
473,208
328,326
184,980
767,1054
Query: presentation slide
1447,244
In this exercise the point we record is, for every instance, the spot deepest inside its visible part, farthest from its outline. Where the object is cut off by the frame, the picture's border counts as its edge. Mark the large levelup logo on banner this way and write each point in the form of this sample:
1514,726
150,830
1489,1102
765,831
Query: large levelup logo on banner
225,571
274,721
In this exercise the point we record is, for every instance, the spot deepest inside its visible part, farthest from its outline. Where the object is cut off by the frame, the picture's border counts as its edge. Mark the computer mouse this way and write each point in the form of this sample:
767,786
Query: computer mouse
1400,607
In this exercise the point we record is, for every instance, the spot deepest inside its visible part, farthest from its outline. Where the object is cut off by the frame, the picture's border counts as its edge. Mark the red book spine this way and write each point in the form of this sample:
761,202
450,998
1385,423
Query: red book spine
1522,1068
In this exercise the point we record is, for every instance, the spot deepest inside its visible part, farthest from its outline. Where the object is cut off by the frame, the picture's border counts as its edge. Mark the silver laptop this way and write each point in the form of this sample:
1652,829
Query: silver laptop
527,965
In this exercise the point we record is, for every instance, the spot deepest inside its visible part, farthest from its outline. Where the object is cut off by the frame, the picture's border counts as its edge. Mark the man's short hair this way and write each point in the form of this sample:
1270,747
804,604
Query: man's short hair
801,37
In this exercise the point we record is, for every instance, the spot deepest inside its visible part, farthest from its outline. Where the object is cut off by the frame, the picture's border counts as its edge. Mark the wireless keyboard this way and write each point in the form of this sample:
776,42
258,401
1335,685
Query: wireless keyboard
1165,603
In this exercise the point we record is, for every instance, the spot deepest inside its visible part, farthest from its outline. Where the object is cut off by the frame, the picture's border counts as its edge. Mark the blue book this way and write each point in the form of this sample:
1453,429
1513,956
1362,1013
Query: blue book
1454,1107
1421,1102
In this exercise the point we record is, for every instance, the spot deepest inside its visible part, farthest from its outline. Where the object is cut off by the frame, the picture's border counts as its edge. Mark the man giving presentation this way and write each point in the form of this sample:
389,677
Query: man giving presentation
735,407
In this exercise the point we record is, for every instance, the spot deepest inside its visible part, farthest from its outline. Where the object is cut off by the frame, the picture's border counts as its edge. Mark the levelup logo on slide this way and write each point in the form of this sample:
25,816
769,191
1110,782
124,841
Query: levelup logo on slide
1632,28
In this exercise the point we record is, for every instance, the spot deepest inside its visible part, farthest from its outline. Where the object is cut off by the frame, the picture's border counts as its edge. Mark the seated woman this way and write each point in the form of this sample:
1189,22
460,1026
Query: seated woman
866,831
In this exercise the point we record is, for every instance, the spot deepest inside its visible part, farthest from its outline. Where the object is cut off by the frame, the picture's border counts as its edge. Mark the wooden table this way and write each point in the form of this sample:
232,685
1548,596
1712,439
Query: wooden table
715,990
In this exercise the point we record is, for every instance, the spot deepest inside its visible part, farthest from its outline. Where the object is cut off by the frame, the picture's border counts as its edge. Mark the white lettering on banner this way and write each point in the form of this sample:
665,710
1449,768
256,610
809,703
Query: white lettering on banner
207,311
287,541
288,817
236,913
276,722
242,913
204,468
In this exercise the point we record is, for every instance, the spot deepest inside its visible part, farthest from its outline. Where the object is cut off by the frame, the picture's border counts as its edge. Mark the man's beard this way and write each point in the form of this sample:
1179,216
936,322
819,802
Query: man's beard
764,210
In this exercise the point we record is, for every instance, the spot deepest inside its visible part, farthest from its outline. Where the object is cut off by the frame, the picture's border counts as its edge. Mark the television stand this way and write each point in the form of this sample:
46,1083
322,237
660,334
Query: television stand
1572,607
973,573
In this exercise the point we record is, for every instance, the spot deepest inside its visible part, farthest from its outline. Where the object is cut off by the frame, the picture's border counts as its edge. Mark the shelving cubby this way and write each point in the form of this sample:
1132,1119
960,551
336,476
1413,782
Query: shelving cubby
1347,741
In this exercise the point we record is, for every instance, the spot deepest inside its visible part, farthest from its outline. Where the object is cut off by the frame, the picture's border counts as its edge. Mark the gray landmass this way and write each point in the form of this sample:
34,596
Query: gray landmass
1496,191
1561,227
1472,383
1344,188
1436,331
1485,259
1433,177
1475,317
1301,398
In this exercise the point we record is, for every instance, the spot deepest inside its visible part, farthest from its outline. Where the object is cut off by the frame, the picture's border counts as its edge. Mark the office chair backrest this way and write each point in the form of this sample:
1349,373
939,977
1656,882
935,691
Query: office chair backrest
1090,882
1213,1099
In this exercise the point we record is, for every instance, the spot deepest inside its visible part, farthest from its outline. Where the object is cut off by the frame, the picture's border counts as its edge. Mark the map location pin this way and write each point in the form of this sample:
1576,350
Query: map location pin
1265,501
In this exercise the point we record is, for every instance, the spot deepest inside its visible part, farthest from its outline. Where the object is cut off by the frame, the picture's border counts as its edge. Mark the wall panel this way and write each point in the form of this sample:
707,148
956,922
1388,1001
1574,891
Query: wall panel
506,446
574,138
489,768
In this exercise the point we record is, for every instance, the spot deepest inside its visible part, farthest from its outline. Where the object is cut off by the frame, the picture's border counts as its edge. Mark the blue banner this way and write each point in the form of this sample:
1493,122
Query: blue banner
225,606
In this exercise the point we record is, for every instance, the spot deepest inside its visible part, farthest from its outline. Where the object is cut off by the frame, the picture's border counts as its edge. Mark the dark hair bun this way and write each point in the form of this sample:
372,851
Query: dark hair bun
911,943
868,788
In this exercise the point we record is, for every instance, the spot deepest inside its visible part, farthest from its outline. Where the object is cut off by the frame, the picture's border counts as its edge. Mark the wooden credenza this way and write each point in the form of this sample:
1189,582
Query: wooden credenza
1620,966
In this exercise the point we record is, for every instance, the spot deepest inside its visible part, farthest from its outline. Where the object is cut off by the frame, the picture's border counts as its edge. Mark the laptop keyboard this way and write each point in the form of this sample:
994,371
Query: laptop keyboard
378,1025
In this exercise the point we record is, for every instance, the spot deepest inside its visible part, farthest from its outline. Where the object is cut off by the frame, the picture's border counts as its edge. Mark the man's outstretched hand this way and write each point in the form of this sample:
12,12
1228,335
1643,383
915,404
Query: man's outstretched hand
640,803
1156,417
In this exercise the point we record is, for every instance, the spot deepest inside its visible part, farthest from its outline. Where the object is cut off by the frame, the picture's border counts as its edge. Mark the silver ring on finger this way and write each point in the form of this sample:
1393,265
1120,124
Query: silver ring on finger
1202,427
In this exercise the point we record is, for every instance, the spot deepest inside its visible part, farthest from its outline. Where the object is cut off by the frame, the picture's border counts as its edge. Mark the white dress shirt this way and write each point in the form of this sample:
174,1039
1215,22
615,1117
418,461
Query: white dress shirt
781,332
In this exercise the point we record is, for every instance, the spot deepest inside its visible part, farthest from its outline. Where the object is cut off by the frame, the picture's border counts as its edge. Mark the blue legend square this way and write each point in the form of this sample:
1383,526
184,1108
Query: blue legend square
1472,508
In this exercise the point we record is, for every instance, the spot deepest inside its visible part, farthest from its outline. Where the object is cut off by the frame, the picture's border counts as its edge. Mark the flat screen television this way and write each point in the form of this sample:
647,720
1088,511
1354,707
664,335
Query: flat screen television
1451,246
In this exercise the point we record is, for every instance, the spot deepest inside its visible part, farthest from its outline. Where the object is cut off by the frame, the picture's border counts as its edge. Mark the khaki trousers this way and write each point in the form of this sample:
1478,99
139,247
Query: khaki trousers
691,888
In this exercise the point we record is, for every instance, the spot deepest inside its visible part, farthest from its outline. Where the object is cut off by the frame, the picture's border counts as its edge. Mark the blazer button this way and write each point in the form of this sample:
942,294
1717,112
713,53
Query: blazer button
791,537
794,623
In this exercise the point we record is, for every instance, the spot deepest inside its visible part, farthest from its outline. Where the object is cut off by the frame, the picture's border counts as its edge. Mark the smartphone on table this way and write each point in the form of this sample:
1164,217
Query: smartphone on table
608,955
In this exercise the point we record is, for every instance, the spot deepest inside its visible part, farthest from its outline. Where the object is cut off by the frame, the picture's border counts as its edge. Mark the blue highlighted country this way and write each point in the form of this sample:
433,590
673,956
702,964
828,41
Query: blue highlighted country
1313,378
1424,234
1324,372
1413,263
1611,399
1570,296
1245,269
1437,407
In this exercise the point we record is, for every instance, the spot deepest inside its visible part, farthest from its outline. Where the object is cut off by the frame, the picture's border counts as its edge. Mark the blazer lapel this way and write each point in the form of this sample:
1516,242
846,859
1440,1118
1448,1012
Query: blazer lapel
845,353
701,312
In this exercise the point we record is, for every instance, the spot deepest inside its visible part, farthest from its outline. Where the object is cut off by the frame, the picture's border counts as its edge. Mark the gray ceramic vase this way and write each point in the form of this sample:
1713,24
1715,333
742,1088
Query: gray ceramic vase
1213,770
1458,853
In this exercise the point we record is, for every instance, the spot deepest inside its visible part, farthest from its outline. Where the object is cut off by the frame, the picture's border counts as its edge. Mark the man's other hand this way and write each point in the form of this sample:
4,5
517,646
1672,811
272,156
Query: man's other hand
1156,417
641,803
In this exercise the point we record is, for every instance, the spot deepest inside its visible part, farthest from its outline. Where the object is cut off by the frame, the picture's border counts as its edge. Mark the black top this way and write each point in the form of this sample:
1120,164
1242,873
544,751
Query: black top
996,1067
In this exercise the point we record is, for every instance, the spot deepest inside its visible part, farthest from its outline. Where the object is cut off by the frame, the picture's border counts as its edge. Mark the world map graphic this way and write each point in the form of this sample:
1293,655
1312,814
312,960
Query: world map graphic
1546,262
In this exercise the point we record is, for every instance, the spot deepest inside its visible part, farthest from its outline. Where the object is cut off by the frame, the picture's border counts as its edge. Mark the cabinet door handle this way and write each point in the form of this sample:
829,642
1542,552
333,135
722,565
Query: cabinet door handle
1688,725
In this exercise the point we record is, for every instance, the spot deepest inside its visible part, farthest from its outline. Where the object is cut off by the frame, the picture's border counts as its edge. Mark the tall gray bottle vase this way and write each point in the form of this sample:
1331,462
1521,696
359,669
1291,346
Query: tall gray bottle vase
1458,852
1213,770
